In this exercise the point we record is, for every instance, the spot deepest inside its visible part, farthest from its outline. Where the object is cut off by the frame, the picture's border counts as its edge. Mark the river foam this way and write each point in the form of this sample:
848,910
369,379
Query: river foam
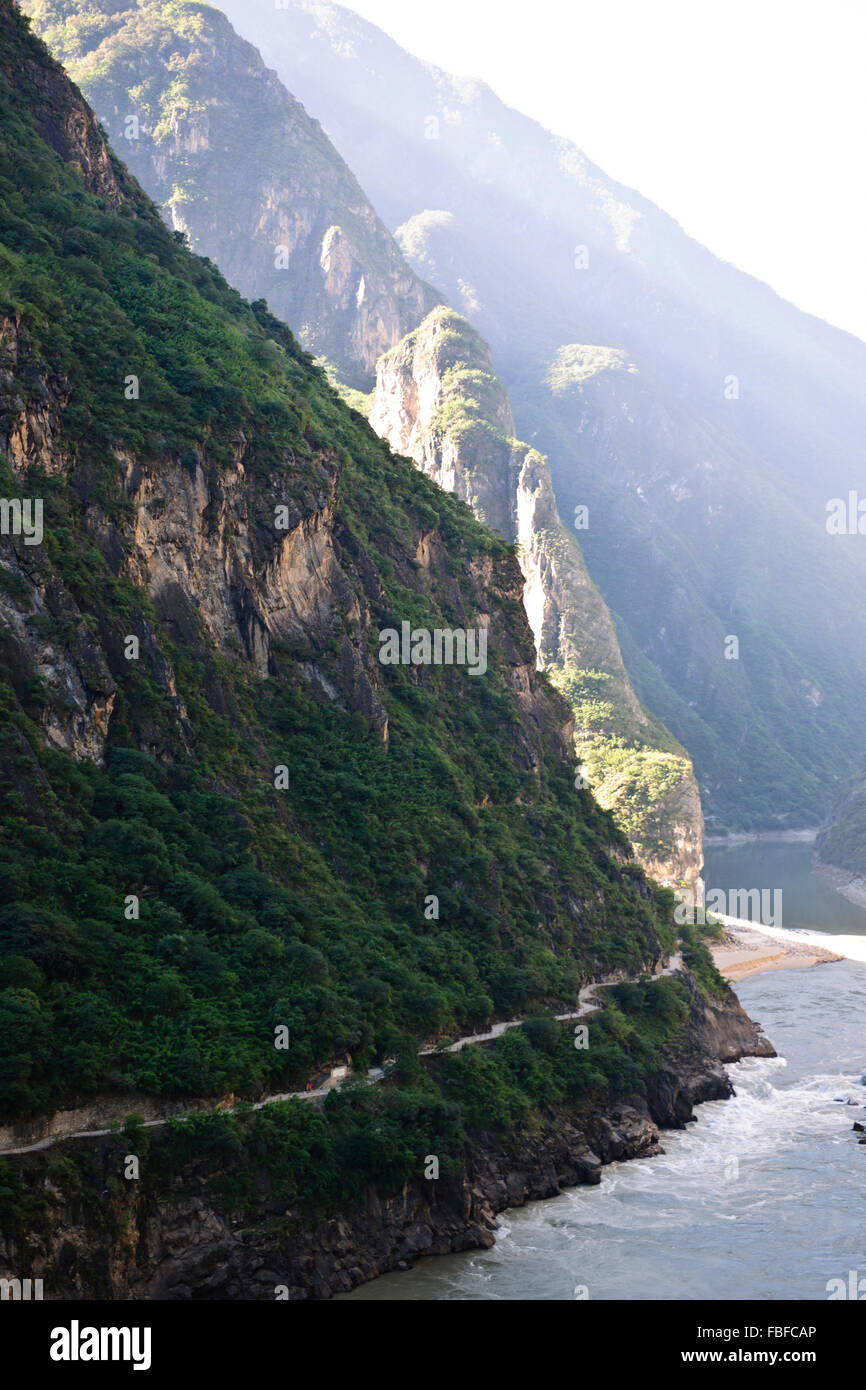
760,1199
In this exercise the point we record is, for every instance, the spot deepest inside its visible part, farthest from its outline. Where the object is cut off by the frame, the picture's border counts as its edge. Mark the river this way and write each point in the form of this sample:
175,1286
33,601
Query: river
762,1198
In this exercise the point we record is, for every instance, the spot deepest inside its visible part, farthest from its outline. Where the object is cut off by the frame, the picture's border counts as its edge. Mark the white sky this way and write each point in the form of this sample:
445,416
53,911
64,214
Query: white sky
744,119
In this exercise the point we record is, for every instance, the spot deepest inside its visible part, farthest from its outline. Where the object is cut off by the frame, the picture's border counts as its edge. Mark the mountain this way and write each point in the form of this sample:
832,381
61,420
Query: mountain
841,844
237,844
227,111
223,542
437,400
704,423
240,168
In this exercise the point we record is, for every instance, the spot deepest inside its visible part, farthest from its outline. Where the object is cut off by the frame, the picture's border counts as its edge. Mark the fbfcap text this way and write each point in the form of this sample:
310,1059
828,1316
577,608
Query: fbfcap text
77,1343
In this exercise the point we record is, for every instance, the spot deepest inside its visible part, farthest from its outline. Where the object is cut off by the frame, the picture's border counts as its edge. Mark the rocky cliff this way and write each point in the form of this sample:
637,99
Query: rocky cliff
707,471
269,846
239,167
144,1242
188,131
437,400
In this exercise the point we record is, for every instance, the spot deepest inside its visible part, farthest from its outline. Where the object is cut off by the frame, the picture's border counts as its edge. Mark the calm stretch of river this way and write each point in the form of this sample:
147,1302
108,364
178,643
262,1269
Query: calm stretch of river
761,1199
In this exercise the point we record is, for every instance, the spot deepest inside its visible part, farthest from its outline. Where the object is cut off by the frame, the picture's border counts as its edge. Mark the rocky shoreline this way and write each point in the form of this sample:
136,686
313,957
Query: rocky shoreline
851,885
177,1245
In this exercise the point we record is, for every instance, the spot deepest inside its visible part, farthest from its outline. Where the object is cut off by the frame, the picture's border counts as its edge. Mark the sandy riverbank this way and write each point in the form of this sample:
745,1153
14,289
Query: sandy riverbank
750,950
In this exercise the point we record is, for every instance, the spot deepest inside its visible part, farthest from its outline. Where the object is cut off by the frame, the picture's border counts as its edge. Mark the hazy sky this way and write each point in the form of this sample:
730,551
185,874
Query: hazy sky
744,119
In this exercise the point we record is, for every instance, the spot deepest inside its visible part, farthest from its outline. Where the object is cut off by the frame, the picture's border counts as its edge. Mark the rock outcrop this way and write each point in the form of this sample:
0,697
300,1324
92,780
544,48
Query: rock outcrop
181,1244
438,400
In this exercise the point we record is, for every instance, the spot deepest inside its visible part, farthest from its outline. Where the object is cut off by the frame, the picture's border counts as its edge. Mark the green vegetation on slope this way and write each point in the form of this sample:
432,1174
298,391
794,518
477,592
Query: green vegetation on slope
637,771
842,842
238,164
257,908
295,1155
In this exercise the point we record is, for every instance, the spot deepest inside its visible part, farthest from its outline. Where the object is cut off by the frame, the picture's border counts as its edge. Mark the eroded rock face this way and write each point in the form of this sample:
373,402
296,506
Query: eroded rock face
67,124
72,669
31,404
230,564
240,566
45,636
438,401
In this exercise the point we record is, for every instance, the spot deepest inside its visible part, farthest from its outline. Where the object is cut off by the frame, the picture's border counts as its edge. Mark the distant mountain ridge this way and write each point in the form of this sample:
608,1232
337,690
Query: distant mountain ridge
205,107
238,165
707,469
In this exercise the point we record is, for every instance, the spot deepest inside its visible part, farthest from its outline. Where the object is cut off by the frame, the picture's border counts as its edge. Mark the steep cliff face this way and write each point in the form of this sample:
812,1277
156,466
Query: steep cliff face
255,821
438,400
707,471
240,168
187,129
203,549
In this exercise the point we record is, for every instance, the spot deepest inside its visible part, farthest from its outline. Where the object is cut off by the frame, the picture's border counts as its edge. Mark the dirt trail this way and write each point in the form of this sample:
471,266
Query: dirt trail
585,1006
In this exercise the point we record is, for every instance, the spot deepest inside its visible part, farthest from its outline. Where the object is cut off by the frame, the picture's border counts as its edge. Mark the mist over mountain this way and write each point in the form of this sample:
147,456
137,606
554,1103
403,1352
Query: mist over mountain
238,165
705,422
198,103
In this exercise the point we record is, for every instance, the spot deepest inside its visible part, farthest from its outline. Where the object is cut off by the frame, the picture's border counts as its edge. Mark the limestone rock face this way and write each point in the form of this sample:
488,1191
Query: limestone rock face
203,554
438,401
237,565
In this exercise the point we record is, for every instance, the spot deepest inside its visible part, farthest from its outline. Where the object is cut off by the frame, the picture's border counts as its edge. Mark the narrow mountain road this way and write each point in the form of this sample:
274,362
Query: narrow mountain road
585,1006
